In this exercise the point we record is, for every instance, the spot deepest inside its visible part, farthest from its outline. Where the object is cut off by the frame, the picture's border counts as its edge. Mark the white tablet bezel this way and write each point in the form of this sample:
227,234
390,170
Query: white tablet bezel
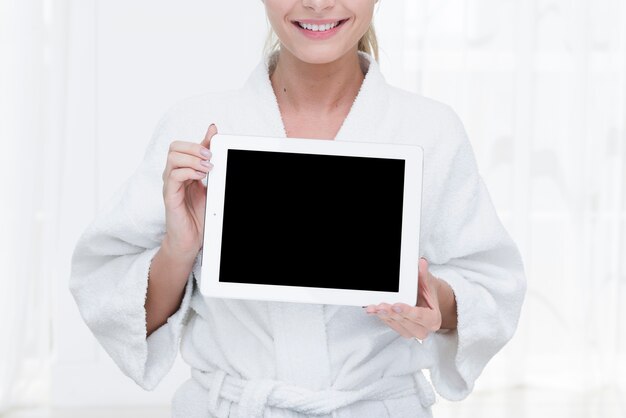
213,222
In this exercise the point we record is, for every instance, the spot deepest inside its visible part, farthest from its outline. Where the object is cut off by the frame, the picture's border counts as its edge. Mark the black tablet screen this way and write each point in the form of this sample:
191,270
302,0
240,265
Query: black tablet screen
312,220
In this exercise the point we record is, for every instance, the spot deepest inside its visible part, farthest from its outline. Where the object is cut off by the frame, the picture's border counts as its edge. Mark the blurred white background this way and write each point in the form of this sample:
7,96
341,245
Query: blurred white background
539,84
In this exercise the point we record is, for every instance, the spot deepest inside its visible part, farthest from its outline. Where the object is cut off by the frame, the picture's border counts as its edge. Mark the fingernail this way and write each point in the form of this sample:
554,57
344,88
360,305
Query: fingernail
382,313
396,309
205,152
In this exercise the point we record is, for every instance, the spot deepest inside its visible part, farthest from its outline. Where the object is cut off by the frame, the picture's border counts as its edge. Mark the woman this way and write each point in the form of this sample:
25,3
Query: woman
136,272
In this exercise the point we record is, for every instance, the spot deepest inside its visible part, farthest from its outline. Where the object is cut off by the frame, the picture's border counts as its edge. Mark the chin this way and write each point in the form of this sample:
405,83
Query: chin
319,55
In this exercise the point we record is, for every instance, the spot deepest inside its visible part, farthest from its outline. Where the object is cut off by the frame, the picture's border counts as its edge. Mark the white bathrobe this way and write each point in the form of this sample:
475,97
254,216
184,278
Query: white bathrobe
280,359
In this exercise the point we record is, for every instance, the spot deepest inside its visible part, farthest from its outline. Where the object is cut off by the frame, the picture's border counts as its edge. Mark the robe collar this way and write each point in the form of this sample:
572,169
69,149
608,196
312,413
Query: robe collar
361,123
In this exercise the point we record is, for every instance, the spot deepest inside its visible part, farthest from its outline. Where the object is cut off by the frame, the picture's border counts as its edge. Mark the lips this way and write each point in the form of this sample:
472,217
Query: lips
318,22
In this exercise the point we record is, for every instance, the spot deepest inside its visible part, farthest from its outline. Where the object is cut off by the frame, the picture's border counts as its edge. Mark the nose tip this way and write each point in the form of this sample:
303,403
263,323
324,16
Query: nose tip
318,4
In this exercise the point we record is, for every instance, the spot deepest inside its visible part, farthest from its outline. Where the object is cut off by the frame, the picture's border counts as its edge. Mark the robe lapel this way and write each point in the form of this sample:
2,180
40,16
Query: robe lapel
364,121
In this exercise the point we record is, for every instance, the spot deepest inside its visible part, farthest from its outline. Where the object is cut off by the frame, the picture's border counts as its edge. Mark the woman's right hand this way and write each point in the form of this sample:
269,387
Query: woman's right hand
184,195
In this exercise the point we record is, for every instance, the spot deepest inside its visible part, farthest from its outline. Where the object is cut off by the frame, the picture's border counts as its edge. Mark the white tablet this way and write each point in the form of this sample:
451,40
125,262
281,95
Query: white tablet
312,221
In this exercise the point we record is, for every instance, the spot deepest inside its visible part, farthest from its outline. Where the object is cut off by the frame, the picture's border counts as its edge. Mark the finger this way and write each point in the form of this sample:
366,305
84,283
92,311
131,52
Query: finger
384,308
206,142
406,322
179,160
371,309
396,326
431,294
421,280
399,322
423,264
422,267
178,177
402,311
423,274
425,317
425,291
414,330
424,295
385,311
418,315
191,148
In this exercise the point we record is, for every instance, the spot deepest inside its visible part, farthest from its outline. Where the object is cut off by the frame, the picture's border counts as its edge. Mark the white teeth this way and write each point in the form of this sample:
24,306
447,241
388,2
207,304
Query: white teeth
316,28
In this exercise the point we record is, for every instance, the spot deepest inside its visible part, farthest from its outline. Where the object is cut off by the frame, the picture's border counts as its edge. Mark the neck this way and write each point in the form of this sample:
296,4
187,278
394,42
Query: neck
320,88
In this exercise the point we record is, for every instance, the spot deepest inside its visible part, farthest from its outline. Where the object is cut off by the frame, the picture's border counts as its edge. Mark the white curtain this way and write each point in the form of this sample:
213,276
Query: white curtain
31,120
541,88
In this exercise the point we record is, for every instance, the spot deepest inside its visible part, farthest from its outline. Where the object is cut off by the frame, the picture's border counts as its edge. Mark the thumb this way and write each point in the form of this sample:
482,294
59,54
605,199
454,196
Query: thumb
423,291
206,142
422,266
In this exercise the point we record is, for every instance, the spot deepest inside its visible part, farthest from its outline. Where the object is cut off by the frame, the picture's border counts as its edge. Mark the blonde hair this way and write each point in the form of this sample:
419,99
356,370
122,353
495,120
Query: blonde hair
368,42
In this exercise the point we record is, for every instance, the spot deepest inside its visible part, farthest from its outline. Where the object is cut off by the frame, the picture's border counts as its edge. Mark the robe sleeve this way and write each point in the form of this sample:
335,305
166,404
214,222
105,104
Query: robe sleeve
470,249
109,271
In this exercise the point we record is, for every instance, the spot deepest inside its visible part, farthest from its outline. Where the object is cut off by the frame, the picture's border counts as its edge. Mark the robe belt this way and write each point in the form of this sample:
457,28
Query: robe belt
254,395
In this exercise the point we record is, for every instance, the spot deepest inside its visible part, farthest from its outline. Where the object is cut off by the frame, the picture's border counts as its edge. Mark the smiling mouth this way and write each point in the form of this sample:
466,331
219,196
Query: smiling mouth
318,28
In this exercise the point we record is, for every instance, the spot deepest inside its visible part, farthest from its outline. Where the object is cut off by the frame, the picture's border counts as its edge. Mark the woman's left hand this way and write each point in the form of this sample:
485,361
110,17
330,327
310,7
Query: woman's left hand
414,321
